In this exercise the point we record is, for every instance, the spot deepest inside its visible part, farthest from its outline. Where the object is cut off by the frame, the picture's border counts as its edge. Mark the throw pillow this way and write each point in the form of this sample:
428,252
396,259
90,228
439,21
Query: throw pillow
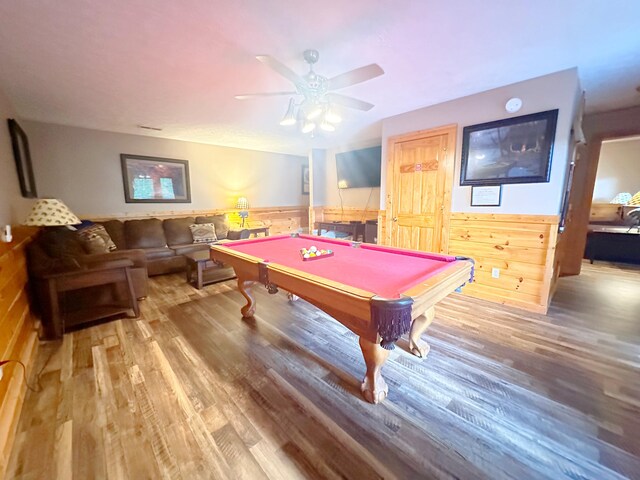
203,232
95,239
221,223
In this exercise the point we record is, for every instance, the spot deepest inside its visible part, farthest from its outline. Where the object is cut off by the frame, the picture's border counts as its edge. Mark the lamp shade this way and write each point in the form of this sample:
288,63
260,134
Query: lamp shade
50,212
622,198
242,203
635,200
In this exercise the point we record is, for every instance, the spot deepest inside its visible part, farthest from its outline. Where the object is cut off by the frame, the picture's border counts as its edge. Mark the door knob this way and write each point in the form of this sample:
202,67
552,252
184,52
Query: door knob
395,219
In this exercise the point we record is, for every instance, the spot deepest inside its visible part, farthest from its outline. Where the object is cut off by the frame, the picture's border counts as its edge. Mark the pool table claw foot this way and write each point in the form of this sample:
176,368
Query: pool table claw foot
420,350
245,289
373,388
376,393
417,346
292,297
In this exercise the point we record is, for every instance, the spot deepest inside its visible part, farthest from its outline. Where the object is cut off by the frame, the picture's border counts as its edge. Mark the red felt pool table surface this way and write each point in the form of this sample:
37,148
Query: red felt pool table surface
384,271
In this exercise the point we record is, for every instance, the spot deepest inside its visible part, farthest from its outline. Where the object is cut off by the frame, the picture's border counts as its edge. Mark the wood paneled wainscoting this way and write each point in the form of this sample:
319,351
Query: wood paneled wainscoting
18,336
278,219
344,214
522,247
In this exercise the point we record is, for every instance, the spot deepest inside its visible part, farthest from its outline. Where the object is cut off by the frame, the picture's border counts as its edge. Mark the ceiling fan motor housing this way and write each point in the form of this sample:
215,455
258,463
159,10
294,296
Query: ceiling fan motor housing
311,56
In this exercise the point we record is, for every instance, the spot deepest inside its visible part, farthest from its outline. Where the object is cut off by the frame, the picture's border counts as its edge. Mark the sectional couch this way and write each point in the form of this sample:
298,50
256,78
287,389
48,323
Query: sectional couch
59,257
165,241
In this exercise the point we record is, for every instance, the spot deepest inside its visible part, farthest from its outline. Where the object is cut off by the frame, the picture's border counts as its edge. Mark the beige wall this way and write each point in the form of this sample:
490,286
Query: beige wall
618,169
82,167
558,90
13,208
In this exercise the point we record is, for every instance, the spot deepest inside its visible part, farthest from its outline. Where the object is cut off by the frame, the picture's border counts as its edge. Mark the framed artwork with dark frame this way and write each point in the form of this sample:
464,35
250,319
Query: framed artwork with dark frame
305,180
513,150
22,157
155,179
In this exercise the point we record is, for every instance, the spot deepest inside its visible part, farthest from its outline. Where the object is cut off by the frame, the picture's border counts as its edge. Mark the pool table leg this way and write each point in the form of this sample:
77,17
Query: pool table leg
245,289
373,388
417,346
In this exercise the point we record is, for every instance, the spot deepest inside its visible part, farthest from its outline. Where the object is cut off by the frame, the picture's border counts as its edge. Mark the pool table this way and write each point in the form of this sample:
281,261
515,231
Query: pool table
379,293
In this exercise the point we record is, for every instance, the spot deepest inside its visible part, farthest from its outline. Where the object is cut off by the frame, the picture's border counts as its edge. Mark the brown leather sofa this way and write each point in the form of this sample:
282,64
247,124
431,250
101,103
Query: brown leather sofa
165,241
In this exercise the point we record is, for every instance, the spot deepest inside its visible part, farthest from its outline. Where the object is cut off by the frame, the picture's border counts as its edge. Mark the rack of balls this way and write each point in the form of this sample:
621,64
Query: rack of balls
313,253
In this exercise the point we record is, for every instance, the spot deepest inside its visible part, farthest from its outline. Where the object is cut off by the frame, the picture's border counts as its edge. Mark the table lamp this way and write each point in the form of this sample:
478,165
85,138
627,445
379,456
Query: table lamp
243,205
621,198
51,212
635,200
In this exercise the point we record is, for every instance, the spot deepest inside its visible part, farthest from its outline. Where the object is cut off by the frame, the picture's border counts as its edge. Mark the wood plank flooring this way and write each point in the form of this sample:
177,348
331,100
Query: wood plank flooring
189,390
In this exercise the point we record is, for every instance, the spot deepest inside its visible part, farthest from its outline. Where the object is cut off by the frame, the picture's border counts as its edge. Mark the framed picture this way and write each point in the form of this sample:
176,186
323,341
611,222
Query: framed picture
489,196
513,150
305,180
155,180
22,156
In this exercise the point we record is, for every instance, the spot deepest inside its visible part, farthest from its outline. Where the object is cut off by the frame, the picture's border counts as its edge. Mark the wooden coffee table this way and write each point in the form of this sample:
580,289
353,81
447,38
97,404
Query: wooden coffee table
201,270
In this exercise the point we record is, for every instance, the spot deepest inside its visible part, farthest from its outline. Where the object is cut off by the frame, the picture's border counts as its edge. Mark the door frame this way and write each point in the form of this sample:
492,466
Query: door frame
575,233
449,159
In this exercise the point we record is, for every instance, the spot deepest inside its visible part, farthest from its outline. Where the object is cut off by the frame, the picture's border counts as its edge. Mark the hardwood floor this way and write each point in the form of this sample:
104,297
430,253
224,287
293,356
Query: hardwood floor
189,390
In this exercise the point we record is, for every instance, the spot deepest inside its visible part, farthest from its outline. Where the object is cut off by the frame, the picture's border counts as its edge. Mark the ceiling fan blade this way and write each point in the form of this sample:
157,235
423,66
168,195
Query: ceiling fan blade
281,68
349,102
246,96
357,75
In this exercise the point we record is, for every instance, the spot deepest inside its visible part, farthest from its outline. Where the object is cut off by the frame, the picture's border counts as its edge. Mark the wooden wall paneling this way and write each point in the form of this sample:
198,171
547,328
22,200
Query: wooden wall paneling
347,214
521,246
552,266
18,336
561,246
279,220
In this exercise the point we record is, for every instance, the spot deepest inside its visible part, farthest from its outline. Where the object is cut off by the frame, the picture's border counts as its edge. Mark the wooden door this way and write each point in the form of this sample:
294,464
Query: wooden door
419,180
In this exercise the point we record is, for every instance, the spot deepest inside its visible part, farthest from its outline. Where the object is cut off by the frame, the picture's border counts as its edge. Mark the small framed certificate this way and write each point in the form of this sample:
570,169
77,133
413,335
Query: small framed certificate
489,196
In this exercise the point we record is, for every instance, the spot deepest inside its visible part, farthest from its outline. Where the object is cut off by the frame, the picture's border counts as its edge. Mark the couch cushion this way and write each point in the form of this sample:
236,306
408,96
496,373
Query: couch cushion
158,252
115,229
190,248
95,239
146,233
176,230
203,232
221,223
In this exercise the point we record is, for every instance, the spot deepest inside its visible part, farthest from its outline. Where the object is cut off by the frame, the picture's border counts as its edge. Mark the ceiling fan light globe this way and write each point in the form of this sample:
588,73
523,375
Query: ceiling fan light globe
308,127
332,117
327,127
288,121
314,113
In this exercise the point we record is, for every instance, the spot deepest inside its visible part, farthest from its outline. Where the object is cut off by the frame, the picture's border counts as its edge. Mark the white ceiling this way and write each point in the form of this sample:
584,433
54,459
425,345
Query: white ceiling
115,64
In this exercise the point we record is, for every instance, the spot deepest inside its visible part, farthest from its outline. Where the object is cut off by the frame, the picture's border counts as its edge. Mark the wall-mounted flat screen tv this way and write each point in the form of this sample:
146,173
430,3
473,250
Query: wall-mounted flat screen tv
359,168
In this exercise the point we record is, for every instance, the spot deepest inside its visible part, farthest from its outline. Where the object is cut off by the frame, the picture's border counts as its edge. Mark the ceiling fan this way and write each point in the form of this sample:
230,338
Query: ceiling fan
317,92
